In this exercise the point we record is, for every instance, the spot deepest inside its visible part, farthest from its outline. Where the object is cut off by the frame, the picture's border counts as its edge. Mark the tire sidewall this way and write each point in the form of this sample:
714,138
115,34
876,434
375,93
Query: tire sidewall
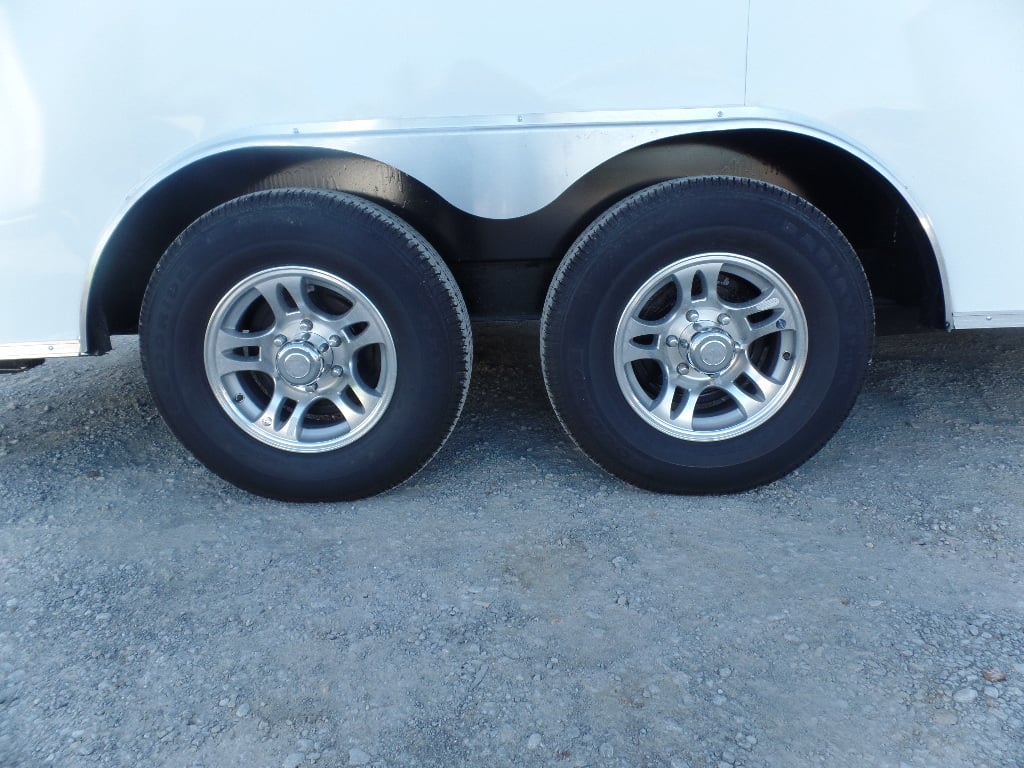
658,227
372,254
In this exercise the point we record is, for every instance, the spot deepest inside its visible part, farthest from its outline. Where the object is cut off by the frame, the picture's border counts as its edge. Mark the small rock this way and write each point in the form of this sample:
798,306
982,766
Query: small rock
294,760
358,757
991,691
242,711
724,672
994,675
607,750
534,741
965,696
945,717
874,603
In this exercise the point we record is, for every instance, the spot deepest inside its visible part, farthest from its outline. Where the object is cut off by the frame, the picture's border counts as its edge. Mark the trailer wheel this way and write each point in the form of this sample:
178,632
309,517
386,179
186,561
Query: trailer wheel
706,335
306,345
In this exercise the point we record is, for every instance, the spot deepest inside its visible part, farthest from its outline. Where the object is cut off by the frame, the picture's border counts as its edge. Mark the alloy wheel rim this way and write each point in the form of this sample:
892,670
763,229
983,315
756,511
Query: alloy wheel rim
300,359
710,347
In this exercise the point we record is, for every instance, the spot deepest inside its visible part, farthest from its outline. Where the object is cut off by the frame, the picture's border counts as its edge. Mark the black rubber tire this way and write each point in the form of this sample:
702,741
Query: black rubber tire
345,236
653,228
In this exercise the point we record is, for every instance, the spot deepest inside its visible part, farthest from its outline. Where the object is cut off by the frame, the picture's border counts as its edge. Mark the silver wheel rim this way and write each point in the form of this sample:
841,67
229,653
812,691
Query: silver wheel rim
710,347
300,359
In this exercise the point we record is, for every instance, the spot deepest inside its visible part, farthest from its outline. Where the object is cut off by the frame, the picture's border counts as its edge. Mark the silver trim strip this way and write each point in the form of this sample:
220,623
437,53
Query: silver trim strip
596,129
966,320
31,350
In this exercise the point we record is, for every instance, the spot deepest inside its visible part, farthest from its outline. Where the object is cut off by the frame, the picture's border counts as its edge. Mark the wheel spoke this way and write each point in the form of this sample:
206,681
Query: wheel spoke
369,336
356,315
635,327
268,420
293,426
297,288
289,427
685,416
634,352
760,330
766,385
273,292
747,403
767,299
230,339
229,360
367,398
709,273
662,405
229,364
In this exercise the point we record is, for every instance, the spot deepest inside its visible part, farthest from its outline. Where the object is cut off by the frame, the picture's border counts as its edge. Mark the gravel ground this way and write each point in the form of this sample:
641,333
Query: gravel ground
512,605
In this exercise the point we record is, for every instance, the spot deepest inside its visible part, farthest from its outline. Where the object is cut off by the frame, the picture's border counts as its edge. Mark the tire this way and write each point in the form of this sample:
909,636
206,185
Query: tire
306,345
706,335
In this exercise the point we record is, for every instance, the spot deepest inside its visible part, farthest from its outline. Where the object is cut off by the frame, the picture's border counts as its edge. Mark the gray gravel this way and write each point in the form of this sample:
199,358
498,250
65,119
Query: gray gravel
512,605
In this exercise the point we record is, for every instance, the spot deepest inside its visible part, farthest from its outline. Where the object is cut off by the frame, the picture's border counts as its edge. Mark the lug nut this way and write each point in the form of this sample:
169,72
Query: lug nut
693,315
671,341
310,387
280,340
267,422
682,368
334,341
338,370
323,347
780,324
684,344
723,319
304,337
306,325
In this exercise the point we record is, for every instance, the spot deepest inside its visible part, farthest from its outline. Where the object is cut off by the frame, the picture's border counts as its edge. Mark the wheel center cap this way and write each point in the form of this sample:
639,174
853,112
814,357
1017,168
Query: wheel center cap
299,364
711,351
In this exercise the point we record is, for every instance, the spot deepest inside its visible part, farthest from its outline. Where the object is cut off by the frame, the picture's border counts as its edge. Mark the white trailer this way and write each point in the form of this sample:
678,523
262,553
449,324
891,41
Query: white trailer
300,208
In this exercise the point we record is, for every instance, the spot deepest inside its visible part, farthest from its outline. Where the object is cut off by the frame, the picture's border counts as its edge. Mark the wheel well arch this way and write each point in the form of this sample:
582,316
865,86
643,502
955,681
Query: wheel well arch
130,254
890,236
487,256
